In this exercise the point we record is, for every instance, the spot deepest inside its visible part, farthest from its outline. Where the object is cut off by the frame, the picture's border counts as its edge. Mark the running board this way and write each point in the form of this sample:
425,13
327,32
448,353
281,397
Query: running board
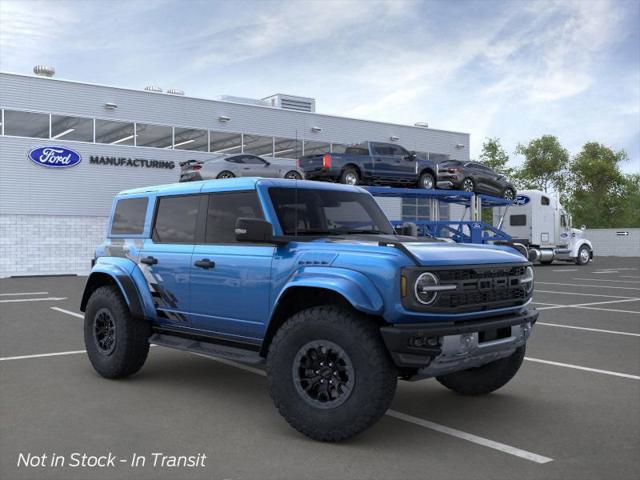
206,348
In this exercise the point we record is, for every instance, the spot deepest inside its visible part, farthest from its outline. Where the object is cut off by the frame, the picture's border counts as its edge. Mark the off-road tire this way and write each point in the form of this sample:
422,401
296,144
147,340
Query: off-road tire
225,174
485,379
348,173
579,258
131,335
424,178
375,376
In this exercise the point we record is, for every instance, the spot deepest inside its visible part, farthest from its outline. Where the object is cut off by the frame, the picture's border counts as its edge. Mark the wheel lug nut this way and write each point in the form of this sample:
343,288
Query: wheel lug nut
317,371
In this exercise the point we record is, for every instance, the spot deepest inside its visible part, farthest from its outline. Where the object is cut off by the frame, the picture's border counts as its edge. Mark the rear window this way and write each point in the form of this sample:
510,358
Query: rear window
176,219
518,220
128,218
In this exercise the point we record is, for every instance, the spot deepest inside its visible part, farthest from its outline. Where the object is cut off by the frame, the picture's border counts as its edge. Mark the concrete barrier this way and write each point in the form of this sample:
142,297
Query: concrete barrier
616,242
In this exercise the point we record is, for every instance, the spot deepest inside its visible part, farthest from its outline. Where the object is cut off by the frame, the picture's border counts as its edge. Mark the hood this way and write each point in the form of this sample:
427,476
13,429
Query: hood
462,254
435,252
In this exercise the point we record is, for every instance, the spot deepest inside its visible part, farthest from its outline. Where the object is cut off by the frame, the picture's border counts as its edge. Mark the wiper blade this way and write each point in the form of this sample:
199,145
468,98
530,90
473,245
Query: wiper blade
355,232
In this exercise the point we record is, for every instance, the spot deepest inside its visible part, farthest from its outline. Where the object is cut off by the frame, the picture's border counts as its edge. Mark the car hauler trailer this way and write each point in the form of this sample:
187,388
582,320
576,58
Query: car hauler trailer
535,224
540,222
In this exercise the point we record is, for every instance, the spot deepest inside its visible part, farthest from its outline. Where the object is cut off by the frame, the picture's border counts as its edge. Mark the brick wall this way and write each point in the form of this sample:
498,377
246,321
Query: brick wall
46,244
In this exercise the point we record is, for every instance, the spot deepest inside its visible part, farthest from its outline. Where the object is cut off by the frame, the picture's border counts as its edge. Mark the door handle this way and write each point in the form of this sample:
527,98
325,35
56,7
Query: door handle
149,260
205,263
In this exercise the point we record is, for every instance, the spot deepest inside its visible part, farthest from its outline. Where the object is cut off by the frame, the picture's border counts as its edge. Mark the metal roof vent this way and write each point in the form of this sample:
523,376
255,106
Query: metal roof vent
292,102
175,91
44,71
421,124
153,88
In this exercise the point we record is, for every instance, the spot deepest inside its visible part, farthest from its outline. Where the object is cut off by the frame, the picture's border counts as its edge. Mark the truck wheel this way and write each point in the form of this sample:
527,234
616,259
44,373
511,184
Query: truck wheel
350,176
583,255
484,379
117,344
329,373
426,181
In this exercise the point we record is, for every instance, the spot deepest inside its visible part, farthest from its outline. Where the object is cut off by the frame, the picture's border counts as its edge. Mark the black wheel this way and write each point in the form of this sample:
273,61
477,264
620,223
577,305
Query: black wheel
584,255
350,176
225,174
468,185
509,194
117,344
293,175
484,379
426,181
329,373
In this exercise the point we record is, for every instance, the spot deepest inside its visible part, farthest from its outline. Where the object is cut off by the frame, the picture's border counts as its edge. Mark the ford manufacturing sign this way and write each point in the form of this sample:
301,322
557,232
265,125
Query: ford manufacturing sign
55,157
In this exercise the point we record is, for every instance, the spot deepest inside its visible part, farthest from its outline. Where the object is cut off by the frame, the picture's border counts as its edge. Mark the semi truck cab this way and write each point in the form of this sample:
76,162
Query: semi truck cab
540,222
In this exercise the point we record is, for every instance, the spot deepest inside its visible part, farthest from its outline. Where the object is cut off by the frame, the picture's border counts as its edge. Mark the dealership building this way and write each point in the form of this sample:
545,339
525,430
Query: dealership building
51,219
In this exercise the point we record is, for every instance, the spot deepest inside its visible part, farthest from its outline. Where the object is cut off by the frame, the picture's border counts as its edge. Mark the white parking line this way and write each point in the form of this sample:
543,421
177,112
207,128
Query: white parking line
62,310
23,293
607,280
582,294
422,423
533,457
566,270
588,305
606,271
48,299
598,330
629,276
586,369
592,286
41,355
611,310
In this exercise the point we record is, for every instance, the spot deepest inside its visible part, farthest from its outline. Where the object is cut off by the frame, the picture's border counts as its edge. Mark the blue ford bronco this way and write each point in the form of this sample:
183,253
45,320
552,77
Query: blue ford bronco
311,279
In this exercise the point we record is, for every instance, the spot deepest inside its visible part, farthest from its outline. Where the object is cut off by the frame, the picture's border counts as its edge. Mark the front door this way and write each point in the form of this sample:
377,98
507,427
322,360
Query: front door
230,282
165,259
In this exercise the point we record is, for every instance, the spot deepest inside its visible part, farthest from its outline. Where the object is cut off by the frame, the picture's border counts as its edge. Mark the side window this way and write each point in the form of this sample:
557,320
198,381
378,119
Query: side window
398,151
225,209
544,200
176,219
518,220
253,160
235,159
128,218
563,221
381,149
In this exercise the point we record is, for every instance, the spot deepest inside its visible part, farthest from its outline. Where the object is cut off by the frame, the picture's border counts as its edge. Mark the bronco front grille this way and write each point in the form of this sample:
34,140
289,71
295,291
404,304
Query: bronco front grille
477,288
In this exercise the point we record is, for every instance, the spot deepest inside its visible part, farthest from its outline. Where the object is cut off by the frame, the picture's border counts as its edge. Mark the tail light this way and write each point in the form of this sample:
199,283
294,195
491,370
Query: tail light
196,167
298,163
454,170
326,161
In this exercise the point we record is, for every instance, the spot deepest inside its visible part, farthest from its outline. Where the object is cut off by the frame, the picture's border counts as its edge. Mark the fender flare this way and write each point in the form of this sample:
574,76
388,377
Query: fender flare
355,287
579,244
126,275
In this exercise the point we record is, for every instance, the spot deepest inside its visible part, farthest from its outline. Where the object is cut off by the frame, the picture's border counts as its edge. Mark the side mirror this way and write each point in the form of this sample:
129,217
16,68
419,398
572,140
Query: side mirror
254,230
408,229
411,156
583,228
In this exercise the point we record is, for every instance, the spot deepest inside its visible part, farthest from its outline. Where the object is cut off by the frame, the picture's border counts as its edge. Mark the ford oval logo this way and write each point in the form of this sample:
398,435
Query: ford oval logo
55,157
521,200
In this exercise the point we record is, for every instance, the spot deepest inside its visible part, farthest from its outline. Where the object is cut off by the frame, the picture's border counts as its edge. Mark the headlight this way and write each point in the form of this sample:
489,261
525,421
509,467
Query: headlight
426,288
527,280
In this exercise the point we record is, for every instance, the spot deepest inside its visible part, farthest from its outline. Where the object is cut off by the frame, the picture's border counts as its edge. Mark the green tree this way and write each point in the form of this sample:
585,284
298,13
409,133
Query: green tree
630,215
600,196
495,157
545,164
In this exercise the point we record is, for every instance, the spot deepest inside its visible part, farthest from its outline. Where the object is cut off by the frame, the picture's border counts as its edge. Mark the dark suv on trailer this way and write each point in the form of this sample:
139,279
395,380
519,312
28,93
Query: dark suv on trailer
474,177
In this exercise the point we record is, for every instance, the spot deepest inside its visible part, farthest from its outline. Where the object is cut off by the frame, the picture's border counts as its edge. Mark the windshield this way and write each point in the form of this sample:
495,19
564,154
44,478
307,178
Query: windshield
327,212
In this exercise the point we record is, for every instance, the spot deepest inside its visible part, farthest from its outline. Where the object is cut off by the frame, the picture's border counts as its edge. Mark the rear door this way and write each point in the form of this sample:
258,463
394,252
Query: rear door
165,259
230,281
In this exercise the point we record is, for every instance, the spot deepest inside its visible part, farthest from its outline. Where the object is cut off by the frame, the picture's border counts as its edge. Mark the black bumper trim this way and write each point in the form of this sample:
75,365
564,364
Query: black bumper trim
396,337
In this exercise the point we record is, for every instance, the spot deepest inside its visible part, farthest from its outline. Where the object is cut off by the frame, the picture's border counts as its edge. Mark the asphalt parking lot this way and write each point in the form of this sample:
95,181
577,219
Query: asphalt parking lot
573,411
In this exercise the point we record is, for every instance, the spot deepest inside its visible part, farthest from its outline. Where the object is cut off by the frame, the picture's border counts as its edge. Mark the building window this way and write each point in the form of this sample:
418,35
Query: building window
258,145
71,128
287,148
26,124
157,136
191,139
225,143
415,209
316,148
114,133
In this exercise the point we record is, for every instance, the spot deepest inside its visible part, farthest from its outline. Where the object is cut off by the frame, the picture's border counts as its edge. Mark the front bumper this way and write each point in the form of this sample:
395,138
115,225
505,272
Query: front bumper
433,349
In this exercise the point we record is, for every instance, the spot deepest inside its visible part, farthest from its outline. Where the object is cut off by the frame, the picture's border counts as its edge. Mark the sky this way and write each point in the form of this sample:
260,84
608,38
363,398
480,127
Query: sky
509,69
